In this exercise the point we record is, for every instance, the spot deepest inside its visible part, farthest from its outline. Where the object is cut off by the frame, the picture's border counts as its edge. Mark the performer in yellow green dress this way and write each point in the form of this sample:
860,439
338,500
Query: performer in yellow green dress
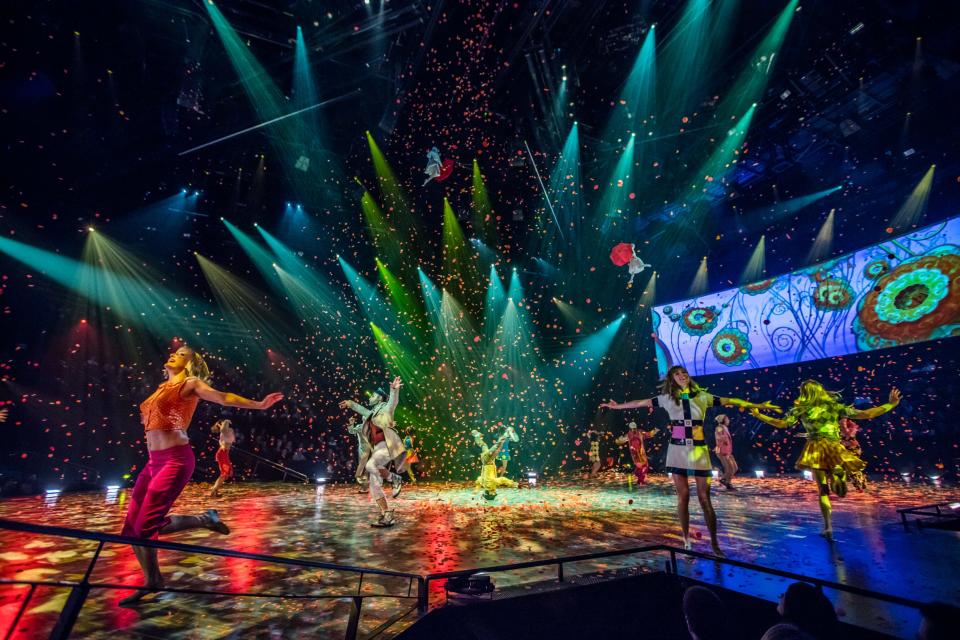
489,480
820,411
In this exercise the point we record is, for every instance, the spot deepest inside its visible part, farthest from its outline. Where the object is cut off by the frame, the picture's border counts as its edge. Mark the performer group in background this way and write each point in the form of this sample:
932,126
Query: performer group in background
166,416
489,481
227,439
638,452
412,457
687,454
724,451
384,455
820,412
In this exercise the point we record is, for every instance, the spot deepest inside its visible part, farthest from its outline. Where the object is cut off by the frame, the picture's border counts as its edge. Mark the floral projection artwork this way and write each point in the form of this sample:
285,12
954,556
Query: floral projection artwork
904,290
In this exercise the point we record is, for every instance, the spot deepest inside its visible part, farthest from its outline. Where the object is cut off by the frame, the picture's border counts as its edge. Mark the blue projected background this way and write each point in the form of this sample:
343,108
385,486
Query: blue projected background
897,292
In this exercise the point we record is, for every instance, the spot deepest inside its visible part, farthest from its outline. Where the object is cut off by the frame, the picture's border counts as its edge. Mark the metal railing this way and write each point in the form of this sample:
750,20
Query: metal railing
934,511
672,568
79,590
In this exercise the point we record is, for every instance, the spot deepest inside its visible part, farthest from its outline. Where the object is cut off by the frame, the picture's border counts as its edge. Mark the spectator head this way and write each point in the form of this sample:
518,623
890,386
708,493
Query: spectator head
939,621
219,425
704,613
632,425
806,607
784,631
408,431
722,419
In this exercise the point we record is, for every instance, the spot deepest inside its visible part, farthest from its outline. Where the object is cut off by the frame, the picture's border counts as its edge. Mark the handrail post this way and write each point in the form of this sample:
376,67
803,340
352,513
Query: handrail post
423,596
559,572
354,620
23,607
673,562
78,595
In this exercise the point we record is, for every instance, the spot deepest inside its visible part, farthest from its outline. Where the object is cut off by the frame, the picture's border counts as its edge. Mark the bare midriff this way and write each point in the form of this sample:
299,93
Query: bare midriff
160,440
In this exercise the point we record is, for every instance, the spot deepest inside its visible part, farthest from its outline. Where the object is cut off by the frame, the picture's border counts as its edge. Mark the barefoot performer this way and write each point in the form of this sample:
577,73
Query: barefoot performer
820,412
686,402
166,416
227,440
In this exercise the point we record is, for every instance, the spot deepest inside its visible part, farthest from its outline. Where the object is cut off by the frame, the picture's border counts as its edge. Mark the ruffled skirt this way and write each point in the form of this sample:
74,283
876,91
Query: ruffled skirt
826,455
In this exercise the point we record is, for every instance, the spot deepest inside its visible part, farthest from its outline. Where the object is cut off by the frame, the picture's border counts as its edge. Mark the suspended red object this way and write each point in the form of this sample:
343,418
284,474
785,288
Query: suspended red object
621,254
446,169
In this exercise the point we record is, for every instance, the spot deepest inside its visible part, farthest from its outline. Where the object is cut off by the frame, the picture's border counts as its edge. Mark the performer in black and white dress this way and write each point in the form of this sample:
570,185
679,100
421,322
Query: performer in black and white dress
686,403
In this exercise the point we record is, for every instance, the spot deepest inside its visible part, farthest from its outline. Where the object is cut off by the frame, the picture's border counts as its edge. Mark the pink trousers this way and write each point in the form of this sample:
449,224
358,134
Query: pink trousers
158,486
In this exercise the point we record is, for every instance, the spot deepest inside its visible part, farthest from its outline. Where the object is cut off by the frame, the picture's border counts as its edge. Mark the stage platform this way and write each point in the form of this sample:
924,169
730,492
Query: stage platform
772,522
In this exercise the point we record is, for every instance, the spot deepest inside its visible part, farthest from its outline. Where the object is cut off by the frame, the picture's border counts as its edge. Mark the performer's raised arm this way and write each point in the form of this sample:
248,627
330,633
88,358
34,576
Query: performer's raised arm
632,404
355,406
746,404
876,412
224,398
394,395
773,422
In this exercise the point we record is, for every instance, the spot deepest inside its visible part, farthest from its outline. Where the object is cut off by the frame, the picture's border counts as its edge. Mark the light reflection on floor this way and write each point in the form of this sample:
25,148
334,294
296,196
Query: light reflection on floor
772,521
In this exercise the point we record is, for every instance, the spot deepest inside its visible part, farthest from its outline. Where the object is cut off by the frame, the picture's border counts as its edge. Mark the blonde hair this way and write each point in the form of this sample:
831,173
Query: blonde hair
220,425
813,396
197,366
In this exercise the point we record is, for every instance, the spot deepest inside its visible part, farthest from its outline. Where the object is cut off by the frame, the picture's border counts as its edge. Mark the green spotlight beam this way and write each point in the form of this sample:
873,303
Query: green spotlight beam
484,221
751,83
614,203
374,307
638,96
459,258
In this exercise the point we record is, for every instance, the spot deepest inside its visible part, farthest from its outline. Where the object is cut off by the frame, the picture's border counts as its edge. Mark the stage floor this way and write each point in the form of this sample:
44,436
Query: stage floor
773,522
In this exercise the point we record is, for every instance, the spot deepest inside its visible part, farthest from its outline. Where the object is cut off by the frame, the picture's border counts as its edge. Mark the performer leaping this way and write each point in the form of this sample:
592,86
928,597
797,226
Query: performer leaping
638,452
489,481
820,411
686,402
166,415
383,448
227,440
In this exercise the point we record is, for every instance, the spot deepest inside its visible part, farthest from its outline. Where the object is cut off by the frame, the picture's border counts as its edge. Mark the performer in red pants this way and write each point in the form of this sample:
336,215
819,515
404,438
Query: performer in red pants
166,415
638,452
227,439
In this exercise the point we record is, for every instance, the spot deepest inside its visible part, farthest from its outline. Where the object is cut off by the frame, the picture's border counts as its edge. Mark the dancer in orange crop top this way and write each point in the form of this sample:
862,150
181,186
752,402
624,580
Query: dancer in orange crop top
166,415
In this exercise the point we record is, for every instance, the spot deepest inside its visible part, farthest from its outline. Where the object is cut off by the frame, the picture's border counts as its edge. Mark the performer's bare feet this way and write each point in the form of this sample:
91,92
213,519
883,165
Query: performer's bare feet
828,534
717,552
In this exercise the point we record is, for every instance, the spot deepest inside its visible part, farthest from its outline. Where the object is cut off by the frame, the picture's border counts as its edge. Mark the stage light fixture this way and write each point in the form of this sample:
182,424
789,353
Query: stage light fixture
532,478
716,473
807,474
758,473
